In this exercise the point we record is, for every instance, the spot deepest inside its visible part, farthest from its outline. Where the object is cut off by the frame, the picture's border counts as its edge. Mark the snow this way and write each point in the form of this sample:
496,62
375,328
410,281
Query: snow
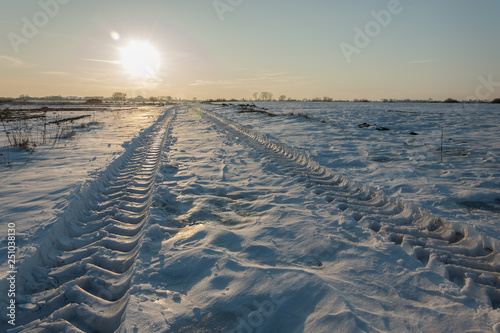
395,161
210,220
37,186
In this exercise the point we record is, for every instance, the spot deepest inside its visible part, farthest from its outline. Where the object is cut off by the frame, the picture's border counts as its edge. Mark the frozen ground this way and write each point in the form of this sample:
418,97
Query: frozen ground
37,186
465,186
200,224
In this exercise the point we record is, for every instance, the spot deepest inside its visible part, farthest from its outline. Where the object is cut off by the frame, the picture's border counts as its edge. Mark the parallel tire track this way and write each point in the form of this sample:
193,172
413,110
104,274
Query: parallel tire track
80,281
459,254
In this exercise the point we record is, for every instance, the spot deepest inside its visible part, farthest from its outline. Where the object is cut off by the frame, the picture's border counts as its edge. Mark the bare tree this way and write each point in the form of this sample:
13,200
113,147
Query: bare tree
282,98
255,96
119,96
266,96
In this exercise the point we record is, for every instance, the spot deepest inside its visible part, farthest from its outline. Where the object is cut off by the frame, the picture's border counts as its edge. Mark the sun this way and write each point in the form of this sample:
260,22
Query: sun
141,60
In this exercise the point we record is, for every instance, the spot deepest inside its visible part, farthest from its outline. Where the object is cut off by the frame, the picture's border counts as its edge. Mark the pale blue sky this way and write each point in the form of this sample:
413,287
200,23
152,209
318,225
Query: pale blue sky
431,49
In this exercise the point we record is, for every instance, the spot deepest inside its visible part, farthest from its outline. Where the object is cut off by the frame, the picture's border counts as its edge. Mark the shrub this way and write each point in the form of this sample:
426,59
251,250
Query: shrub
93,101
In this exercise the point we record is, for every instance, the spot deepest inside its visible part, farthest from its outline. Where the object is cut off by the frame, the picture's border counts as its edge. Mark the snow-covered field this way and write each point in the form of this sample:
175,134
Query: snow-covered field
201,218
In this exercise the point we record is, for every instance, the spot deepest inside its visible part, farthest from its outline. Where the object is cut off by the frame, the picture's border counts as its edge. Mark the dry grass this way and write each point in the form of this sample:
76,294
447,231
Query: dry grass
26,130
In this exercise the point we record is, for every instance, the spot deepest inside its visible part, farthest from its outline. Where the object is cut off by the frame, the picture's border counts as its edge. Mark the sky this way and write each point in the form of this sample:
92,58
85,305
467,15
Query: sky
417,49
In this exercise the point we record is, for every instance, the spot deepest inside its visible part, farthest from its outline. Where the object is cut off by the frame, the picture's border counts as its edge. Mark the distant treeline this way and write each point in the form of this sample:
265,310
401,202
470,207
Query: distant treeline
449,100
266,97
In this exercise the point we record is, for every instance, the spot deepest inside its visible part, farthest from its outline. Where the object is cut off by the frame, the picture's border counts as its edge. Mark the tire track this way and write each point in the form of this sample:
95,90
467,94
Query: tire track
80,278
458,253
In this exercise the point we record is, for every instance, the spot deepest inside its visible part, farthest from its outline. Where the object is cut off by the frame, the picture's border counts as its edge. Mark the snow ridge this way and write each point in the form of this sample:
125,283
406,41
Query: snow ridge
457,252
79,279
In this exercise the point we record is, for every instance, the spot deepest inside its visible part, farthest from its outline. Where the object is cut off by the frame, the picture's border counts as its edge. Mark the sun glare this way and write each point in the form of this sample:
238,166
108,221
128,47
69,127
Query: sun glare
140,59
